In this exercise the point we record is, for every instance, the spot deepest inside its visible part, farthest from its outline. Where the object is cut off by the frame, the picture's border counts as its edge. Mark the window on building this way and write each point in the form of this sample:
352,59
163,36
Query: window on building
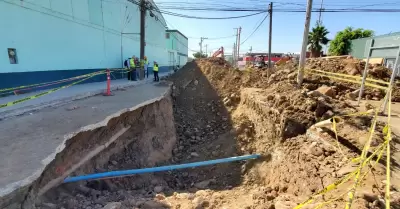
167,35
12,55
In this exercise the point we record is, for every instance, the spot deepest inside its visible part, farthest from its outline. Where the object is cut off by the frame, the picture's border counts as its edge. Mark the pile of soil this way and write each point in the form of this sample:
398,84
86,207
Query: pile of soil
268,115
348,66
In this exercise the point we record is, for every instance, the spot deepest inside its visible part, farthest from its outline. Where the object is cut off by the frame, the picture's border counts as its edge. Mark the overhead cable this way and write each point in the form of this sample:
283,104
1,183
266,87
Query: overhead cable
255,30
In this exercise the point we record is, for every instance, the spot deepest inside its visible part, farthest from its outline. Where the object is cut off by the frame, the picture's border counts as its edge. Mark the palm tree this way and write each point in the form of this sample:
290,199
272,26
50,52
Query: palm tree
317,38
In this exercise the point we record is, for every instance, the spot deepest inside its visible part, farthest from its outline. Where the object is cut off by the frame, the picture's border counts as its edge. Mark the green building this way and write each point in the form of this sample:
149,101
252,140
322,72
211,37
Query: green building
383,46
177,46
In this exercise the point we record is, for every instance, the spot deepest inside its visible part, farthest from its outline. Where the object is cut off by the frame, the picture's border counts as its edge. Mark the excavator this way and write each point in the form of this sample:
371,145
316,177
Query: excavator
220,51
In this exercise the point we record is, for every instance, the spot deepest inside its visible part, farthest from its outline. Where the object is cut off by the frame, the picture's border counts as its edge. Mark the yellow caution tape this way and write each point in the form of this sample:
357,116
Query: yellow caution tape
388,131
336,136
363,157
38,84
348,80
364,175
359,78
340,181
43,93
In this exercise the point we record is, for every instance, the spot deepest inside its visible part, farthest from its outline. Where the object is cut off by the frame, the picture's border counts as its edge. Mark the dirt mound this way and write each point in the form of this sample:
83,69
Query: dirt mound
348,66
265,115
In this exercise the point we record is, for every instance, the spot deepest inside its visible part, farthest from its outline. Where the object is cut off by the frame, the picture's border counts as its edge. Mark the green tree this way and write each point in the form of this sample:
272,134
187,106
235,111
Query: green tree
198,55
341,44
317,38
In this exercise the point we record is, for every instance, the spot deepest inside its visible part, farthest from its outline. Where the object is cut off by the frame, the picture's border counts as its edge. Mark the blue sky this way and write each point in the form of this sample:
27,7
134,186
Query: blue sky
287,27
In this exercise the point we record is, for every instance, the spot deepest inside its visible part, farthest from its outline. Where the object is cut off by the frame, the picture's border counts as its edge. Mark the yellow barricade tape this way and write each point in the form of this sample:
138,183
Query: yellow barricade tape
338,182
387,129
359,78
350,81
364,175
363,157
337,138
44,93
38,84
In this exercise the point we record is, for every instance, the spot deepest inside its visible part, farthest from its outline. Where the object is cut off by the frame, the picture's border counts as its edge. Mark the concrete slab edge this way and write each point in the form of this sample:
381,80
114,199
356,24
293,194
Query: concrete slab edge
8,189
66,100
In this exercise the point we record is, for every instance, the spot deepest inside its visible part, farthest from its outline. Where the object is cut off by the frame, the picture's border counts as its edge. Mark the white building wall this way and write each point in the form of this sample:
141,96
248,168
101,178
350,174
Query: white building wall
75,34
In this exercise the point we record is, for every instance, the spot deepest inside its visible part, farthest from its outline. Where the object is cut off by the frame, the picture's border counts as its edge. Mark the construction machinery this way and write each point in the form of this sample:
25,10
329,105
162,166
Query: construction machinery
220,51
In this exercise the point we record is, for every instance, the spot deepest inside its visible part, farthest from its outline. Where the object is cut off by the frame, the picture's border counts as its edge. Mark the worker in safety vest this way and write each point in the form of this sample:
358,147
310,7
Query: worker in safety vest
146,66
137,68
155,71
132,69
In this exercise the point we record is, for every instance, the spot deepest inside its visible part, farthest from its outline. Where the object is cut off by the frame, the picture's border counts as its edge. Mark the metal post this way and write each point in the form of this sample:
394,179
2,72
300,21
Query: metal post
270,35
233,54
238,46
142,35
300,75
320,12
365,73
391,80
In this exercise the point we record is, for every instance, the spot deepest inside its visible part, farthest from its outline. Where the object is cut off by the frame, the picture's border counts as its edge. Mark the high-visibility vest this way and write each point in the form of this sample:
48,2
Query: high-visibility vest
132,62
146,62
155,68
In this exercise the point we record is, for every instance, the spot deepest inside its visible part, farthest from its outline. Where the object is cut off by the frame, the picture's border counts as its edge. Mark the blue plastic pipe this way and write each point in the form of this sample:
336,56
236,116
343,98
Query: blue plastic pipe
157,169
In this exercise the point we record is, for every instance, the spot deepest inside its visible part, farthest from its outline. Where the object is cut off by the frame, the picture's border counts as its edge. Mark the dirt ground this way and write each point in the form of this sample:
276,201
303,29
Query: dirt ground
222,112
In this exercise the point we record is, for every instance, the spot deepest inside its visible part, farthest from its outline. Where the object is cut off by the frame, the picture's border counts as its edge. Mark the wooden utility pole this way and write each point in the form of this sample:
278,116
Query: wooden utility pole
300,75
142,35
270,36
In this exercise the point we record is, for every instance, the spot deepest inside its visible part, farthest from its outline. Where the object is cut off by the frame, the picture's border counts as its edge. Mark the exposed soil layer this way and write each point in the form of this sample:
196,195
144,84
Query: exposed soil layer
353,67
222,112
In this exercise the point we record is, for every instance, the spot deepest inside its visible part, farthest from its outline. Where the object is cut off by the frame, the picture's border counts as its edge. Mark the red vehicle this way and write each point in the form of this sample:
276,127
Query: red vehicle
251,57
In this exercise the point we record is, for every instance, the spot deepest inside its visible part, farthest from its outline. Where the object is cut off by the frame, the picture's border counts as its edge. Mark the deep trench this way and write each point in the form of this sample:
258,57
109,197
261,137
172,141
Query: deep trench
190,127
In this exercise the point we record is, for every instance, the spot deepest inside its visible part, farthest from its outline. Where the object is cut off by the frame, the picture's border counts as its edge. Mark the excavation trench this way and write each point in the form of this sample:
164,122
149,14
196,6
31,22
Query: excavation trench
208,114
195,123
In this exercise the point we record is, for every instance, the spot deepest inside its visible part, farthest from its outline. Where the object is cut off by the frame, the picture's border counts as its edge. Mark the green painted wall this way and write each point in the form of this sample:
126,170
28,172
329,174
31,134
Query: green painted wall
359,49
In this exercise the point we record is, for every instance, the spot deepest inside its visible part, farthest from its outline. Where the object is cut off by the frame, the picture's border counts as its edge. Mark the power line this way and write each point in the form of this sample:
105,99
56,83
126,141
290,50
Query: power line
255,29
215,38
194,17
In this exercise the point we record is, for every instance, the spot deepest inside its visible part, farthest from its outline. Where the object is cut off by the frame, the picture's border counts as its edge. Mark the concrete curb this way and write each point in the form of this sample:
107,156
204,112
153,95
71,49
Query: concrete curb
54,103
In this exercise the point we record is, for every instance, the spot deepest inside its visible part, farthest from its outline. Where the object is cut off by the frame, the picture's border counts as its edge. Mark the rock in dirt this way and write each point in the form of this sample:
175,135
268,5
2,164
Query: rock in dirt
314,93
345,170
194,154
199,203
284,205
204,184
158,189
151,204
317,151
113,205
49,206
327,91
